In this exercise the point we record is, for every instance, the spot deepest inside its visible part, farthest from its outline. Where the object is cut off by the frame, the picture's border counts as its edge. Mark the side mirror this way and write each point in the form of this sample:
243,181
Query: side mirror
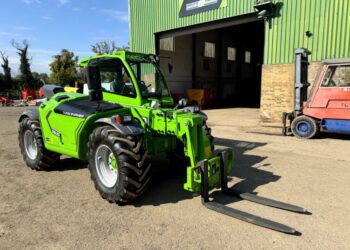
155,104
94,83
183,102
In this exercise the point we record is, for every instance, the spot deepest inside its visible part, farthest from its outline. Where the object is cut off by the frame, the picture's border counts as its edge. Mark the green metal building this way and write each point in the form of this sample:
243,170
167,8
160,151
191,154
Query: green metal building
241,50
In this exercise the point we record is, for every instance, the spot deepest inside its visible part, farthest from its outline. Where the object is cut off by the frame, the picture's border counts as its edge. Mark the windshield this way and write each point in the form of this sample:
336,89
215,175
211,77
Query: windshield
149,78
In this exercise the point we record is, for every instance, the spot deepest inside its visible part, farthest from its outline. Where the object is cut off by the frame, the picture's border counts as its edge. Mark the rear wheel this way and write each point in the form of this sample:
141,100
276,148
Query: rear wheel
32,146
118,165
304,127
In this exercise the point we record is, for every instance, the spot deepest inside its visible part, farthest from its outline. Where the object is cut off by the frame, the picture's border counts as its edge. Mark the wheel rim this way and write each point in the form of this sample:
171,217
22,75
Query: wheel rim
30,145
106,166
303,128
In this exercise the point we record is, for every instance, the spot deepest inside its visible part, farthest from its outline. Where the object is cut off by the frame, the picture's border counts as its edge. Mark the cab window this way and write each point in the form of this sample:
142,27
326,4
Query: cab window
337,76
116,79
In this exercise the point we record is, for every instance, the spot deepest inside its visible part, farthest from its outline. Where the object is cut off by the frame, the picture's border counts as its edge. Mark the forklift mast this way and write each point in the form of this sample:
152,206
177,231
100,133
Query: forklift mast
301,83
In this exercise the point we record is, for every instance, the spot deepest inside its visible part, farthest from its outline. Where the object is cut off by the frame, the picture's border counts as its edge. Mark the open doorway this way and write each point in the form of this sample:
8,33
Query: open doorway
226,61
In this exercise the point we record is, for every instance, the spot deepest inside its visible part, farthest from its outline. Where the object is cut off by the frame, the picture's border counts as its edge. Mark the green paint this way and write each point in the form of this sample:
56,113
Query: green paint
164,127
181,2
328,21
114,163
223,4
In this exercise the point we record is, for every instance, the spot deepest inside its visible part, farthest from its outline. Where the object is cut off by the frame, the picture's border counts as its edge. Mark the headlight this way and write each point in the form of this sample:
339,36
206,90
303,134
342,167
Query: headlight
119,119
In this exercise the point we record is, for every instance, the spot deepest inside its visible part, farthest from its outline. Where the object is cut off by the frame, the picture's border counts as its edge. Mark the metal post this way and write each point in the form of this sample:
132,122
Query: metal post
300,78
205,184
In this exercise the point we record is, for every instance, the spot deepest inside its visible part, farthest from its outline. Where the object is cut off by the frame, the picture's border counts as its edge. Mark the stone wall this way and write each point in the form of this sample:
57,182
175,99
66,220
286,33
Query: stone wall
277,89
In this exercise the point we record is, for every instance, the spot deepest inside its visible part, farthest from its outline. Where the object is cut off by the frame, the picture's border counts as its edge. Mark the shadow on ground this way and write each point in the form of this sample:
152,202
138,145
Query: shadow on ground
167,184
67,164
167,181
246,167
332,136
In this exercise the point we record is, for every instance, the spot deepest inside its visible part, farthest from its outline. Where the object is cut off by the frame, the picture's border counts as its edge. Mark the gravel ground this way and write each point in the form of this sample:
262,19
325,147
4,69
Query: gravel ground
60,209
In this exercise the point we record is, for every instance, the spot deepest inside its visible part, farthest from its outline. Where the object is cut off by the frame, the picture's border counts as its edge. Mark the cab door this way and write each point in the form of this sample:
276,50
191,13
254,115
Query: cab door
117,82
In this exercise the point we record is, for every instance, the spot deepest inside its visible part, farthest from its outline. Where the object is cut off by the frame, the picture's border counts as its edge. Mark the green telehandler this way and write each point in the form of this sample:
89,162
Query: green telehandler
128,117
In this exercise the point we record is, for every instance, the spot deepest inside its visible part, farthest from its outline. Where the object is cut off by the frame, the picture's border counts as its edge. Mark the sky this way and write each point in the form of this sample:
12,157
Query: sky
53,25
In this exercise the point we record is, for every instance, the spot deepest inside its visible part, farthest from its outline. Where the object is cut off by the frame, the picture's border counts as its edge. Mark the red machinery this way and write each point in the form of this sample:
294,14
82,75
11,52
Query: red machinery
327,107
5,101
28,94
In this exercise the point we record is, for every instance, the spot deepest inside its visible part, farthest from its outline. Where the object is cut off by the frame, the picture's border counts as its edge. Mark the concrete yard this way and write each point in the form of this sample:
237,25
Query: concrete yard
61,209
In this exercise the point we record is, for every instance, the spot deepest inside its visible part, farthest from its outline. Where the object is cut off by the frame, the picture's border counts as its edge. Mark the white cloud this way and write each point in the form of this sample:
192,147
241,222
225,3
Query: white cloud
21,28
40,66
29,2
40,59
63,2
122,16
4,33
48,18
43,51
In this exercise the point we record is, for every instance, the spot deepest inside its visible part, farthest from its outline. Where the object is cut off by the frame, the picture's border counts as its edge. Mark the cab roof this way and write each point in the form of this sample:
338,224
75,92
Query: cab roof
337,61
117,54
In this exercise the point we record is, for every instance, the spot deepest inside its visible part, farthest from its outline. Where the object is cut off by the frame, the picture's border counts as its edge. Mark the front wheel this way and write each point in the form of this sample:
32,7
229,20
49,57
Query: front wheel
118,165
304,127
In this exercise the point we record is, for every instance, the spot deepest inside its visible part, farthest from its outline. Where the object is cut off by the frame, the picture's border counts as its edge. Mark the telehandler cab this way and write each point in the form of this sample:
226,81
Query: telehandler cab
327,107
128,117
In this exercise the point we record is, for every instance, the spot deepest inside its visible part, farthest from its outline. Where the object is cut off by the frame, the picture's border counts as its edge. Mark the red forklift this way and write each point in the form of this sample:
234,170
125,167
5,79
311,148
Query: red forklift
326,108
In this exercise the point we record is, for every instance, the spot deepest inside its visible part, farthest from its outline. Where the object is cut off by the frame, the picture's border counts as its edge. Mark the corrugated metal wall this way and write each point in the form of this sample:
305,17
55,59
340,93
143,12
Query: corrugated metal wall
327,20
151,16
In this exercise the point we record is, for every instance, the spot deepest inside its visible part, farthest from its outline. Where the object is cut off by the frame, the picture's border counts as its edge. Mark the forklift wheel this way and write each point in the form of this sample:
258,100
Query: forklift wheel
304,127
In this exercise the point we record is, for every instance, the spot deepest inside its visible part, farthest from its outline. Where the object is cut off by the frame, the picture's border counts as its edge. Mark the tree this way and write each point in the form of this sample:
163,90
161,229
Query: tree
26,77
40,79
6,78
2,82
64,68
107,47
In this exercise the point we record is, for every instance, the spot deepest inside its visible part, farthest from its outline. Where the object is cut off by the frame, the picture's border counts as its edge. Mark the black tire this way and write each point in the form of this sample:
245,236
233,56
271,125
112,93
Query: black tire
133,168
44,159
304,127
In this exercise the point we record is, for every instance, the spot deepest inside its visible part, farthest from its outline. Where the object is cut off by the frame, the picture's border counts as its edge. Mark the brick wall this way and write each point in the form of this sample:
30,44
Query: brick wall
277,89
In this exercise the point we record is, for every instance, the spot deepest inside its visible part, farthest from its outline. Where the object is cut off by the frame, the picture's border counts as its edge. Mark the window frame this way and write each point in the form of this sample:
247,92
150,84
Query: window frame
332,75
162,48
235,54
246,53
214,50
134,96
